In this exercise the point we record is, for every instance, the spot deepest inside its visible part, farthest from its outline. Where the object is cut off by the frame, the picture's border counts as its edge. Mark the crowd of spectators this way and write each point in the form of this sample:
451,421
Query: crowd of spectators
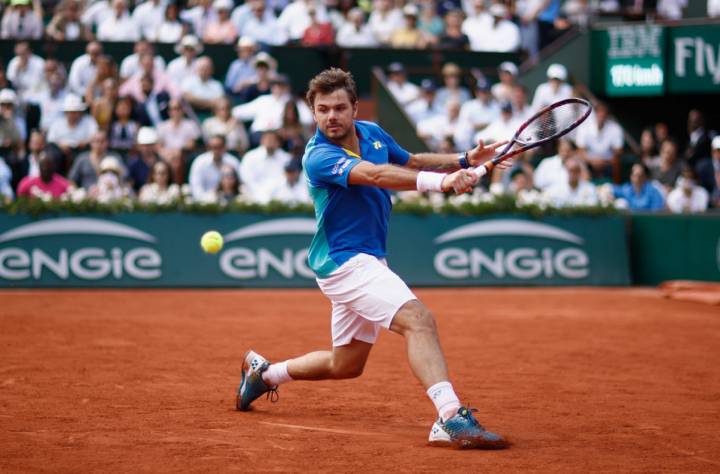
582,169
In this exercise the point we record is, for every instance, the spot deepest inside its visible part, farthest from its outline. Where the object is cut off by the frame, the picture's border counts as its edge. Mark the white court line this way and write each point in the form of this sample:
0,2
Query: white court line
324,430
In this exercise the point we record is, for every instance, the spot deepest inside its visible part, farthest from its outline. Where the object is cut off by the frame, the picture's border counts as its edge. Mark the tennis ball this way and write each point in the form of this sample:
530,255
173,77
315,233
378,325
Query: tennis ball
211,242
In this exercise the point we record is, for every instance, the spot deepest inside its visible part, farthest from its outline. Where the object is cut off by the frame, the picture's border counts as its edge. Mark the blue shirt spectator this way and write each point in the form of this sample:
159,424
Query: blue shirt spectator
639,194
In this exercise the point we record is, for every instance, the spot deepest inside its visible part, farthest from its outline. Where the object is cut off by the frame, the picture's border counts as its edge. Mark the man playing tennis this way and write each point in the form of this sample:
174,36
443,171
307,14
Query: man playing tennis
349,166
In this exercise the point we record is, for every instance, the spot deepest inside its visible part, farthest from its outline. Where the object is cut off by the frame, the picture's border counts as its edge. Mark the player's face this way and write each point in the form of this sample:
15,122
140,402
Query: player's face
334,114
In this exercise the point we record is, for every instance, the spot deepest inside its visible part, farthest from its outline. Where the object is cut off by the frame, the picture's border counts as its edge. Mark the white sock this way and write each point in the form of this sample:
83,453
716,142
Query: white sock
277,374
444,398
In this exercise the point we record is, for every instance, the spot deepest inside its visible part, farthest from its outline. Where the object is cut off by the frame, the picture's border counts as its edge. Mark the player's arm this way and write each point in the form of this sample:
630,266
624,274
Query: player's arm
403,179
454,161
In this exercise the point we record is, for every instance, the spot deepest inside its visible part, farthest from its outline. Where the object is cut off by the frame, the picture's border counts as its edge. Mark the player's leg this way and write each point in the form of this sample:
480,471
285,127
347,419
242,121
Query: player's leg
343,362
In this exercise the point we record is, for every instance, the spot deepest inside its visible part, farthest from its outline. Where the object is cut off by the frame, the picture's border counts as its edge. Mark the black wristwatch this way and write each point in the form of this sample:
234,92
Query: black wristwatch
463,160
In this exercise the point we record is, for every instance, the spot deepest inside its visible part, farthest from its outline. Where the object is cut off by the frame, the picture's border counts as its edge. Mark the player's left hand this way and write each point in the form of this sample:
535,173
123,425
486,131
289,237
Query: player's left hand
481,154
461,181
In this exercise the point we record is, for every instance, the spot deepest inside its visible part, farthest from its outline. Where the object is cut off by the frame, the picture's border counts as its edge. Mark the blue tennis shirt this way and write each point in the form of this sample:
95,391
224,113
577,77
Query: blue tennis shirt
351,219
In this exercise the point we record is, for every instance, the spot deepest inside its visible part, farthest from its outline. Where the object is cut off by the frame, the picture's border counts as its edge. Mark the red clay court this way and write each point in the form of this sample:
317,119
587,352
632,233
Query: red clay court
581,380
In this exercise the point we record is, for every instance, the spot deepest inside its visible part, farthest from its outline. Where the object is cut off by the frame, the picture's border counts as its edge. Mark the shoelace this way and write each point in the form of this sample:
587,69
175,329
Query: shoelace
273,395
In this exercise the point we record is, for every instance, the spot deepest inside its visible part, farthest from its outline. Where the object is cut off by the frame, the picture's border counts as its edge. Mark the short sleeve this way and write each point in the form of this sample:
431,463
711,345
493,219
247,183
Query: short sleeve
396,154
325,166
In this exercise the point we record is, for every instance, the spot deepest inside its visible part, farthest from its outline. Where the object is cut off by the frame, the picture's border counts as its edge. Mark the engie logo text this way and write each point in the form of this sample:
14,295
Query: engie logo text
491,250
82,248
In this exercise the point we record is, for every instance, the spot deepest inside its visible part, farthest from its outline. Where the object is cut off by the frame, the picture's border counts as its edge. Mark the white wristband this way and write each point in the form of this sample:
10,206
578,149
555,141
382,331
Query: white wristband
429,181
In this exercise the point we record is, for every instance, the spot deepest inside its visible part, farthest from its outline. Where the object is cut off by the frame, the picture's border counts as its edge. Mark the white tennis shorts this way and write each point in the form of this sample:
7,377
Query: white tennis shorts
365,296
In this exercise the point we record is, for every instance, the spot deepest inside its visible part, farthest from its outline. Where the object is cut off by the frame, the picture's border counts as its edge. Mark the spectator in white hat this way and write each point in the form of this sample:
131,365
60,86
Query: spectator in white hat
73,131
221,30
148,15
241,72
554,89
355,33
8,111
22,19
119,26
141,163
408,35
185,65
265,69
502,91
170,29
201,91
11,140
110,184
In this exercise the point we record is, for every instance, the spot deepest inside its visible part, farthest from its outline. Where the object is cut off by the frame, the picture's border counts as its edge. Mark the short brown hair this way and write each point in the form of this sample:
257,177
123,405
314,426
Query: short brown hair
328,82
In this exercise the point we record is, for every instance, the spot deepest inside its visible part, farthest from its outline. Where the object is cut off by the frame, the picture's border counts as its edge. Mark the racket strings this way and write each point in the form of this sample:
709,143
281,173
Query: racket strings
550,123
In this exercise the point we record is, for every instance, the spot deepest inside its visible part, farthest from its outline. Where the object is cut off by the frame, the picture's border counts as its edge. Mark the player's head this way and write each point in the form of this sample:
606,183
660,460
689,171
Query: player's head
332,97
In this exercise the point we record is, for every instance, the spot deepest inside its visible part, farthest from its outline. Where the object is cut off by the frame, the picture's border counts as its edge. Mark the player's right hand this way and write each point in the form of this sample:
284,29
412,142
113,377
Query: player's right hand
461,181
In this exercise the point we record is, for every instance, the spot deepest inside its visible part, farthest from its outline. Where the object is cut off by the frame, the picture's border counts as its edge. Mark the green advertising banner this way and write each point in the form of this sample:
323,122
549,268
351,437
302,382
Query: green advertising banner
675,248
633,59
694,59
162,250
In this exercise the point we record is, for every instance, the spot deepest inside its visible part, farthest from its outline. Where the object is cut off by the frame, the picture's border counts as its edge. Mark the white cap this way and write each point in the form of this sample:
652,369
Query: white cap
507,66
189,41
8,96
246,42
716,143
73,103
498,9
147,136
223,5
410,10
557,71
110,163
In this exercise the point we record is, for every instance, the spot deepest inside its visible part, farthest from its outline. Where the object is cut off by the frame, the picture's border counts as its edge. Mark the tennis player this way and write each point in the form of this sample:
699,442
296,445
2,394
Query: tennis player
349,166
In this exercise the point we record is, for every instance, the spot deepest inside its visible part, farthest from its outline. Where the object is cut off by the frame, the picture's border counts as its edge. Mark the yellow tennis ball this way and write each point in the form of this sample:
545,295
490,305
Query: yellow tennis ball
211,242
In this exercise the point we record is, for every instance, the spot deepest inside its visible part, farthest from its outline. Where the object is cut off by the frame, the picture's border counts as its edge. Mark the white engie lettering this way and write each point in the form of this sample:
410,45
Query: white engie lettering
238,263
243,263
14,263
523,263
59,267
90,264
448,260
142,263
572,263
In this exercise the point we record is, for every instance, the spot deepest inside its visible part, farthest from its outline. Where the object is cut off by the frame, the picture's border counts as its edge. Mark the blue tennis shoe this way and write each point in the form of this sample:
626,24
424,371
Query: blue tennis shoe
463,431
252,385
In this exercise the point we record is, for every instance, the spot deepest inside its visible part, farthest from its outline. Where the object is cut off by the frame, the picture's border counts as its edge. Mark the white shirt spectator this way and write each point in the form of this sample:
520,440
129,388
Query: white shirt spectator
438,127
27,78
713,8
562,195
474,116
420,109
14,26
671,9
61,133
349,36
96,13
175,138
268,31
152,193
472,24
545,95
550,172
168,32
384,25
600,142
295,19
205,90
501,38
148,16
206,173
118,29
5,177
179,67
498,130
199,18
266,112
131,65
405,92
82,72
51,107
260,171
687,197
291,193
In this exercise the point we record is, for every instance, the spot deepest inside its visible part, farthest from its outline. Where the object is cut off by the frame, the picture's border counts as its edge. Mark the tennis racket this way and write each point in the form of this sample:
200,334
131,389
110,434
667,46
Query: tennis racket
548,124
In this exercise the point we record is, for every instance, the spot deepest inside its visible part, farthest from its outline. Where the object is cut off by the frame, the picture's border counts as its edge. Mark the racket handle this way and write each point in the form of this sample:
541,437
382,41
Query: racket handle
482,170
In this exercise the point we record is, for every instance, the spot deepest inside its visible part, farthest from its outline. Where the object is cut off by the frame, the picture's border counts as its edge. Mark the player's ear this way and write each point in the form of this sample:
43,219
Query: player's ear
355,109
